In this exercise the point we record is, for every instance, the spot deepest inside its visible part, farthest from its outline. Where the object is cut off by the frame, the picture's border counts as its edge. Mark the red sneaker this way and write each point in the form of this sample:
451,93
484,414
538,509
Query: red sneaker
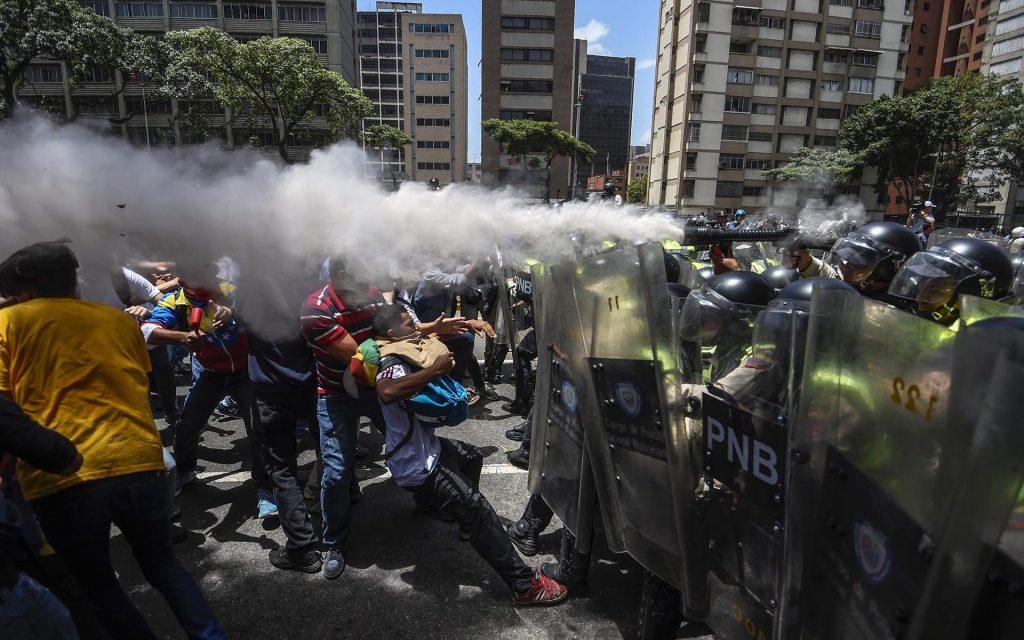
543,590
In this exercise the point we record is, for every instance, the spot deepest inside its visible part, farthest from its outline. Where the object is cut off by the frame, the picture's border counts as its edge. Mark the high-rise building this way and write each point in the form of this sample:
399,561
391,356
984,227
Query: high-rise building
104,94
413,67
527,72
739,88
605,113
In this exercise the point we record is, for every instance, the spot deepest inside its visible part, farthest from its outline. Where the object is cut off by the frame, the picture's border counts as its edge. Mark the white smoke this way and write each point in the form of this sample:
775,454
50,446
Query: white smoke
115,201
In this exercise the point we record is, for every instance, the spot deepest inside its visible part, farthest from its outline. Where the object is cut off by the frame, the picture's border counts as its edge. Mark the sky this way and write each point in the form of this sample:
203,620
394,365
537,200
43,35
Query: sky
611,28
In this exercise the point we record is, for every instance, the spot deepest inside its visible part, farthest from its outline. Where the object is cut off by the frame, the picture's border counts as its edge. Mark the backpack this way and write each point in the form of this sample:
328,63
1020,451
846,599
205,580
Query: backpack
442,403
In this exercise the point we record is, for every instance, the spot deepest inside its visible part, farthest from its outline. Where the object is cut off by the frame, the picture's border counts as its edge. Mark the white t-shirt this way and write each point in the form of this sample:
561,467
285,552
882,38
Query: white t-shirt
100,288
411,464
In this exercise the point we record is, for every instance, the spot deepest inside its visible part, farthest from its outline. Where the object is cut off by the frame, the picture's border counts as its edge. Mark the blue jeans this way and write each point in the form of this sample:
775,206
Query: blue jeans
338,415
77,524
31,611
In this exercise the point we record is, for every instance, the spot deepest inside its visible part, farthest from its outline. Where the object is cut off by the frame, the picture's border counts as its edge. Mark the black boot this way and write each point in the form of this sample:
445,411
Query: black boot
515,434
524,532
572,567
492,370
524,390
660,609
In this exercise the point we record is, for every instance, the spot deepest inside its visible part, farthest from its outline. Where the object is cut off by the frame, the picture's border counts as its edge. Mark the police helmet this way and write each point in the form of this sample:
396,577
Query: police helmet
706,273
874,252
677,290
741,213
801,290
780,275
935,279
1018,232
742,287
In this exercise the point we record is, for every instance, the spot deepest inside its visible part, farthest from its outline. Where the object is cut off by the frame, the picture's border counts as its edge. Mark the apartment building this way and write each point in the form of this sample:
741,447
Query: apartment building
527,71
413,67
328,25
739,88
605,113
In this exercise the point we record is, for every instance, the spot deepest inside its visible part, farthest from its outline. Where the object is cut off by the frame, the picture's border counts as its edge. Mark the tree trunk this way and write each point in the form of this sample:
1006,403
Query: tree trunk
9,99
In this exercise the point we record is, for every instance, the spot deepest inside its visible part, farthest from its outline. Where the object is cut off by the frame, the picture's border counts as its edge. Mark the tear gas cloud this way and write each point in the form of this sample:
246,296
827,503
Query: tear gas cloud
195,204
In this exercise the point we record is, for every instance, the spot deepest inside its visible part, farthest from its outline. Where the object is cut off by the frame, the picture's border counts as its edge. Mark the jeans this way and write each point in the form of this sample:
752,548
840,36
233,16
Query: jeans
454,487
77,524
31,612
338,415
207,390
163,378
276,415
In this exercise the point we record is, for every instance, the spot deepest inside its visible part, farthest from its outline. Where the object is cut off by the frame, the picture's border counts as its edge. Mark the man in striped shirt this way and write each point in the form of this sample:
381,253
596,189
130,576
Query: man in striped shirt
335,319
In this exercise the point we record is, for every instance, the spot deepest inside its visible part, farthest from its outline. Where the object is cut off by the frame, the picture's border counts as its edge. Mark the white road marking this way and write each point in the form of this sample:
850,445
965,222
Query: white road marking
238,477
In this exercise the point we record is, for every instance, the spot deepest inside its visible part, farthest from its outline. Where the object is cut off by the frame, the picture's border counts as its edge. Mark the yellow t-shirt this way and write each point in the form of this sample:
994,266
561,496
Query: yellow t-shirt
80,368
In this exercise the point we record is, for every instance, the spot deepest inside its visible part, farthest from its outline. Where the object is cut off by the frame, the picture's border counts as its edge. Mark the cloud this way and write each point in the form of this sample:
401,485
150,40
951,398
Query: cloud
646,63
645,138
593,32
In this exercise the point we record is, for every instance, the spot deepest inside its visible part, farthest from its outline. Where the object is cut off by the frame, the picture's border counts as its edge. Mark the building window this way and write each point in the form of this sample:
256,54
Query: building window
862,85
432,77
519,114
869,4
433,166
730,161
754,192
319,43
1012,45
851,109
528,24
703,12
745,16
99,7
302,13
698,74
758,163
686,190
1007,67
737,75
766,80
736,46
726,189
734,132
139,9
193,10
433,99
868,29
527,55
693,132
419,27
824,141
134,105
838,29
696,100
917,72
760,136
433,122
433,144
441,53
42,73
828,114
865,59
95,105
979,39
691,161
831,85
763,109
769,52
927,6
98,75
701,43
248,11
773,22
835,57
841,3
737,104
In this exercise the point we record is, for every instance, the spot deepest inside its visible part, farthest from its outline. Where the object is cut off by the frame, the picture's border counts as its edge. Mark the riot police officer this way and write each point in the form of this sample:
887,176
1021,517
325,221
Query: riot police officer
933,280
869,257
780,275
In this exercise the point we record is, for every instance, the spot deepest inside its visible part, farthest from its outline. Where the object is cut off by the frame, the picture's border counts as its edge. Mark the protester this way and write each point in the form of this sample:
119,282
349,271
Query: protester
446,473
100,402
335,320
199,317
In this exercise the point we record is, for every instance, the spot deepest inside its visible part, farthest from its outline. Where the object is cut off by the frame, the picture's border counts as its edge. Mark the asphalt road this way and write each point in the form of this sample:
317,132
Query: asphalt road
408,576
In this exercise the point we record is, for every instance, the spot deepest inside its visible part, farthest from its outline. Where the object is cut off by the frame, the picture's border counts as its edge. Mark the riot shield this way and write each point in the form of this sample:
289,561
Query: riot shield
508,318
974,308
632,419
939,236
745,417
871,467
974,588
559,468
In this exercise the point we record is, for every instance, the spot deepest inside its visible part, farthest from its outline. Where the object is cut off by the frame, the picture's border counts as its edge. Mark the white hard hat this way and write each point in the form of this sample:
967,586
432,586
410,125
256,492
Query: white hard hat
929,203
1018,232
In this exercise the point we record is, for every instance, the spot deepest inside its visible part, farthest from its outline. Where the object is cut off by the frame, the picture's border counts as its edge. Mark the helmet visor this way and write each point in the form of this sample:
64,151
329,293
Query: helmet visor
930,278
706,313
856,256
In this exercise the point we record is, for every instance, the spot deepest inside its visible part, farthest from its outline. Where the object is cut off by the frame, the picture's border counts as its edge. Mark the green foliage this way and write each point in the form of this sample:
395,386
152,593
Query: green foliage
636,191
958,137
276,85
526,139
62,31
384,136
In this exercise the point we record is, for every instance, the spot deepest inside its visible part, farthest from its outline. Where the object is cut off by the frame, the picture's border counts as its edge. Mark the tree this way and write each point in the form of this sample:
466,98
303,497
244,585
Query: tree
384,136
526,139
636,192
823,169
58,30
958,138
274,85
